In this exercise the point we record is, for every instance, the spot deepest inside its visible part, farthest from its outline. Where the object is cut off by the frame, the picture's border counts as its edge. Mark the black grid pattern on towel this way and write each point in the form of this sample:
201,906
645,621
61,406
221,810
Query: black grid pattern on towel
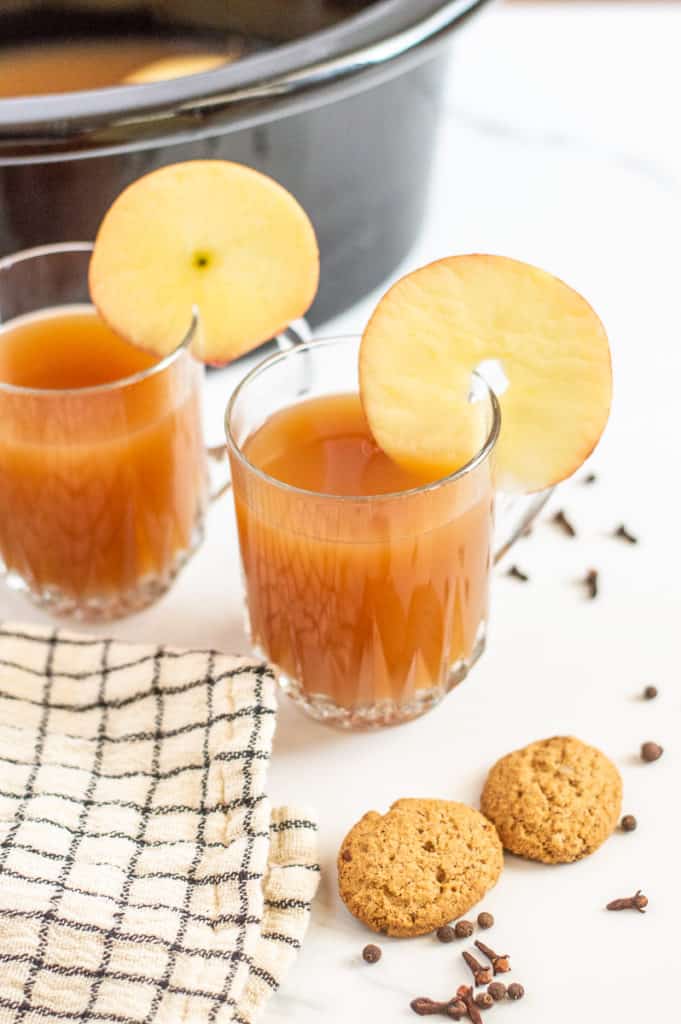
36,892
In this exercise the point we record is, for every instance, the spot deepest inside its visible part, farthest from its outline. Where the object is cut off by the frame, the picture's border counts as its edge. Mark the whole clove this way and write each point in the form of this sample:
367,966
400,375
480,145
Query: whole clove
563,523
623,534
501,963
590,581
651,751
455,1008
636,902
481,975
465,994
424,1007
517,574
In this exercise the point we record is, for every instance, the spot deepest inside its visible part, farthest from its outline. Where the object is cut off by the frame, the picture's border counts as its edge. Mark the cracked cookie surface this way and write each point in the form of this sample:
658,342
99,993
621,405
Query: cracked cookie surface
555,800
419,866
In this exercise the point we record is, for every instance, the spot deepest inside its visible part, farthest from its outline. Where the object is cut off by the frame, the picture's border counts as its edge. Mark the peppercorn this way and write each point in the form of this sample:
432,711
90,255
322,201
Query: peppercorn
650,693
372,954
628,823
485,920
650,751
497,990
463,929
446,933
515,991
484,1000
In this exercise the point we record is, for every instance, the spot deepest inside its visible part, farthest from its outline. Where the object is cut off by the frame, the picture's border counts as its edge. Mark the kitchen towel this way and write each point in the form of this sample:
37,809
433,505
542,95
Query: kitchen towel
144,876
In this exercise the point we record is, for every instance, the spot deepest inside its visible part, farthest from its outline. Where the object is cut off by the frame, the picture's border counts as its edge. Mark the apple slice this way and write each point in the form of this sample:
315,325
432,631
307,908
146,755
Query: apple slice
177,67
208,234
437,325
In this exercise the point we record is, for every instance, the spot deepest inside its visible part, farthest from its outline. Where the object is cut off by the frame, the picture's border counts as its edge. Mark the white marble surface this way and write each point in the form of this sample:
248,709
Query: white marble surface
559,145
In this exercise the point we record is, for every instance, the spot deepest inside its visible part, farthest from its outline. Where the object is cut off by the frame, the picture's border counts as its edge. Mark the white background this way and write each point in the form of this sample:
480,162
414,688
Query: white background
559,145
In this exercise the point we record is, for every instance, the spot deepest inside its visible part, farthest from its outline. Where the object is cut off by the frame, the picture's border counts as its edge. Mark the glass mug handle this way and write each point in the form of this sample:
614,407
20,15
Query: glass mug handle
516,514
296,333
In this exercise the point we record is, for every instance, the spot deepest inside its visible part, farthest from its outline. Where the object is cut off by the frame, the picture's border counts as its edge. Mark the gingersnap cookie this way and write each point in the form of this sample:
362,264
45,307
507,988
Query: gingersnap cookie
554,801
419,866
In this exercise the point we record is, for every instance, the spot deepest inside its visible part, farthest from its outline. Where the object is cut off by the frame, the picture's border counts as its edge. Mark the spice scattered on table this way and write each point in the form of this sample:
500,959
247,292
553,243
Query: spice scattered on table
515,991
483,1000
636,902
628,823
446,933
650,693
371,954
590,581
624,534
497,990
561,520
466,995
651,751
517,574
455,1008
485,920
463,929
590,478
424,1007
482,975
500,962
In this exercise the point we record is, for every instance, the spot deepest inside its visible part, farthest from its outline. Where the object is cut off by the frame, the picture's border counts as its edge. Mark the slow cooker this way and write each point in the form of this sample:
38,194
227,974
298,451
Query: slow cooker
338,101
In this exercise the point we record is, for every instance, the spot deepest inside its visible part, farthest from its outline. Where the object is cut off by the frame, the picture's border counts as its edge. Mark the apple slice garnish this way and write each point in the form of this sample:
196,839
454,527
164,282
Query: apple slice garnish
176,67
211,235
437,325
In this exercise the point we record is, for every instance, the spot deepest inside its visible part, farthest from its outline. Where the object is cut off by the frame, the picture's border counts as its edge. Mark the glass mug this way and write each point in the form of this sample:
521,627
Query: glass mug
372,608
103,488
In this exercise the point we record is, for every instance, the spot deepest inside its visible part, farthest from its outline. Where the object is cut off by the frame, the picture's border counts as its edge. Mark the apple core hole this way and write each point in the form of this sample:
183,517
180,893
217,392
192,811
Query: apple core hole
201,259
492,372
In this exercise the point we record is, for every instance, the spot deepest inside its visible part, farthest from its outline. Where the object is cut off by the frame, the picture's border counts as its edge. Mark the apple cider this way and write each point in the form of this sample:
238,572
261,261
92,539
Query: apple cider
366,585
102,468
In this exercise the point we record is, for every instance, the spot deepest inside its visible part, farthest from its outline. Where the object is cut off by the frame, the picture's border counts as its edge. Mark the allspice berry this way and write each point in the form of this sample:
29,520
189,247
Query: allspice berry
484,1000
372,954
515,991
463,929
497,990
650,693
485,920
628,823
446,933
650,751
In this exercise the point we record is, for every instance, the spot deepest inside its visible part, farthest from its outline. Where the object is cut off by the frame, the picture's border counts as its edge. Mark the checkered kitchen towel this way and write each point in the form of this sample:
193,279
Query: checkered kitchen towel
143,875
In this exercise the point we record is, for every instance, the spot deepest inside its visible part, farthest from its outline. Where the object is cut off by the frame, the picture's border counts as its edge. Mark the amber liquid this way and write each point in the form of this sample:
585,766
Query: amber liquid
360,603
101,491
